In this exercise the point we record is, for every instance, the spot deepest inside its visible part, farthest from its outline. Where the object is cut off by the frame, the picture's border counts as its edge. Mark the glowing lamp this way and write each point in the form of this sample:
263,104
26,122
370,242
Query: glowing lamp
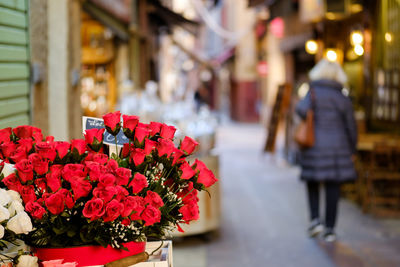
356,38
311,47
359,50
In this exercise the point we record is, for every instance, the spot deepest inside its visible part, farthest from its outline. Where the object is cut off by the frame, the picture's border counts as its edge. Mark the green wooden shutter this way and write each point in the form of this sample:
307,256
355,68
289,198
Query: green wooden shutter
14,63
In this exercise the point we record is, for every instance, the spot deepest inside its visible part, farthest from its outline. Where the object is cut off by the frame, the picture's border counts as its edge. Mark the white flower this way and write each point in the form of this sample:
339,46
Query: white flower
4,214
27,261
15,207
14,195
1,231
8,169
4,197
20,223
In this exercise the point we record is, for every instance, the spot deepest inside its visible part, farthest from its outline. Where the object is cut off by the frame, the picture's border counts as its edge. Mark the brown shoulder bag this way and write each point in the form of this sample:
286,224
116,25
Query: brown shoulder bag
304,135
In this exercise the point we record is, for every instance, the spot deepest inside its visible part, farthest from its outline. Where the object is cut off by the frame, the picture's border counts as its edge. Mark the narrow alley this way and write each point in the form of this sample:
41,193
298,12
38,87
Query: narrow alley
264,217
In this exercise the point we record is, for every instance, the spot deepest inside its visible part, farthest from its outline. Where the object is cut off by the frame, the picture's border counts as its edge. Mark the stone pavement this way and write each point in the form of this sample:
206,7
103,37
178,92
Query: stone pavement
264,217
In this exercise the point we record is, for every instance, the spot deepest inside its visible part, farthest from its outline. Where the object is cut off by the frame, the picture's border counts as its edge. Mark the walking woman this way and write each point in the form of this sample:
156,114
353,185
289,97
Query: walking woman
330,160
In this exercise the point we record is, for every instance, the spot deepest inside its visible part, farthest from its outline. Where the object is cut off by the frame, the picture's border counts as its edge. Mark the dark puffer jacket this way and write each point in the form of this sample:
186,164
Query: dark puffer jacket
335,135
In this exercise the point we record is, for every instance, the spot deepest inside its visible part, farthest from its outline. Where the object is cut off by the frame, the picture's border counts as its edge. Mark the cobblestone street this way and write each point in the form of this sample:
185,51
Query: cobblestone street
264,217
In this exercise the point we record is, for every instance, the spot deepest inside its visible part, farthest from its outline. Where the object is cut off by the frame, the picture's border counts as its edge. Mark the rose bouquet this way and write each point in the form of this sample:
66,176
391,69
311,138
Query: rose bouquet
77,195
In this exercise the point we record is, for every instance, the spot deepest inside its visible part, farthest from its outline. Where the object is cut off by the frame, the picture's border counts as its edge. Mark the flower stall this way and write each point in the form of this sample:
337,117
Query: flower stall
91,208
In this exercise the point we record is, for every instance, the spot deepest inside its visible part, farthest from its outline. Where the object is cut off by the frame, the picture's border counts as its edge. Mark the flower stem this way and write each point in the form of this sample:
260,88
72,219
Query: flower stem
116,146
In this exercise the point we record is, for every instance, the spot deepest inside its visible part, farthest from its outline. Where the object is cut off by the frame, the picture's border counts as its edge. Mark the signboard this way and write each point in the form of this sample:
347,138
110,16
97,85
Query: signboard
90,123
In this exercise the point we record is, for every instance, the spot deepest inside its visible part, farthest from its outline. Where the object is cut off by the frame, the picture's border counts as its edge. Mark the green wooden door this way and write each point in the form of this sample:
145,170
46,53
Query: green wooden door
14,63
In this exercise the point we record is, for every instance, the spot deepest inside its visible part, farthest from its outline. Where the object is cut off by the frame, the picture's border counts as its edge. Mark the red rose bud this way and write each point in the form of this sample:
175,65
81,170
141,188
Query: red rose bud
5,135
188,145
24,170
18,154
129,125
37,133
62,148
137,156
113,210
112,121
26,143
27,193
155,127
153,199
94,170
105,193
130,203
41,185
126,150
81,188
190,212
49,139
8,148
94,209
55,203
149,146
40,165
68,199
100,158
35,210
141,133
78,145
138,182
177,156
121,193
165,147
107,179
187,171
151,215
23,131
206,177
12,182
112,165
53,178
167,131
46,150
122,176
94,138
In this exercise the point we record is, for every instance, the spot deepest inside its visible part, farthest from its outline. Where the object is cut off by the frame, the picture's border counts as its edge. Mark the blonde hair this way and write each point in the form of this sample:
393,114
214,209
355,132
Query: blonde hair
328,70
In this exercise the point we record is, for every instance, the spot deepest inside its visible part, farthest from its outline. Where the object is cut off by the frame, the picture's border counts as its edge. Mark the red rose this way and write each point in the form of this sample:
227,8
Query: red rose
155,127
94,170
18,154
177,156
130,123
41,184
78,145
122,176
126,149
121,193
137,156
12,182
167,131
132,203
8,148
27,193
138,182
26,143
206,177
100,158
23,131
37,134
5,135
187,171
188,145
62,148
149,146
105,193
190,212
68,199
107,179
53,178
113,210
93,209
138,207
49,139
151,215
112,165
94,138
55,203
141,133
24,170
81,188
72,170
46,150
112,121
40,165
35,210
153,199
165,147
126,222
188,194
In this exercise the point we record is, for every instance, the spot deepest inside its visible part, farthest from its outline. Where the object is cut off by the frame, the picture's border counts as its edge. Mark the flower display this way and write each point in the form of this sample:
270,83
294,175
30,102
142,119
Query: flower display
76,194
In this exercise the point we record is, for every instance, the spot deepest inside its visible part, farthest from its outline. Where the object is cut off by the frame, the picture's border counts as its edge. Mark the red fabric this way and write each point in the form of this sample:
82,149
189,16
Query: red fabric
89,255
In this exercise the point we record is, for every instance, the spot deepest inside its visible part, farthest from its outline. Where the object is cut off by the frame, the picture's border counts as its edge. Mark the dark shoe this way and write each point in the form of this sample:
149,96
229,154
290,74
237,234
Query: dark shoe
315,228
329,235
